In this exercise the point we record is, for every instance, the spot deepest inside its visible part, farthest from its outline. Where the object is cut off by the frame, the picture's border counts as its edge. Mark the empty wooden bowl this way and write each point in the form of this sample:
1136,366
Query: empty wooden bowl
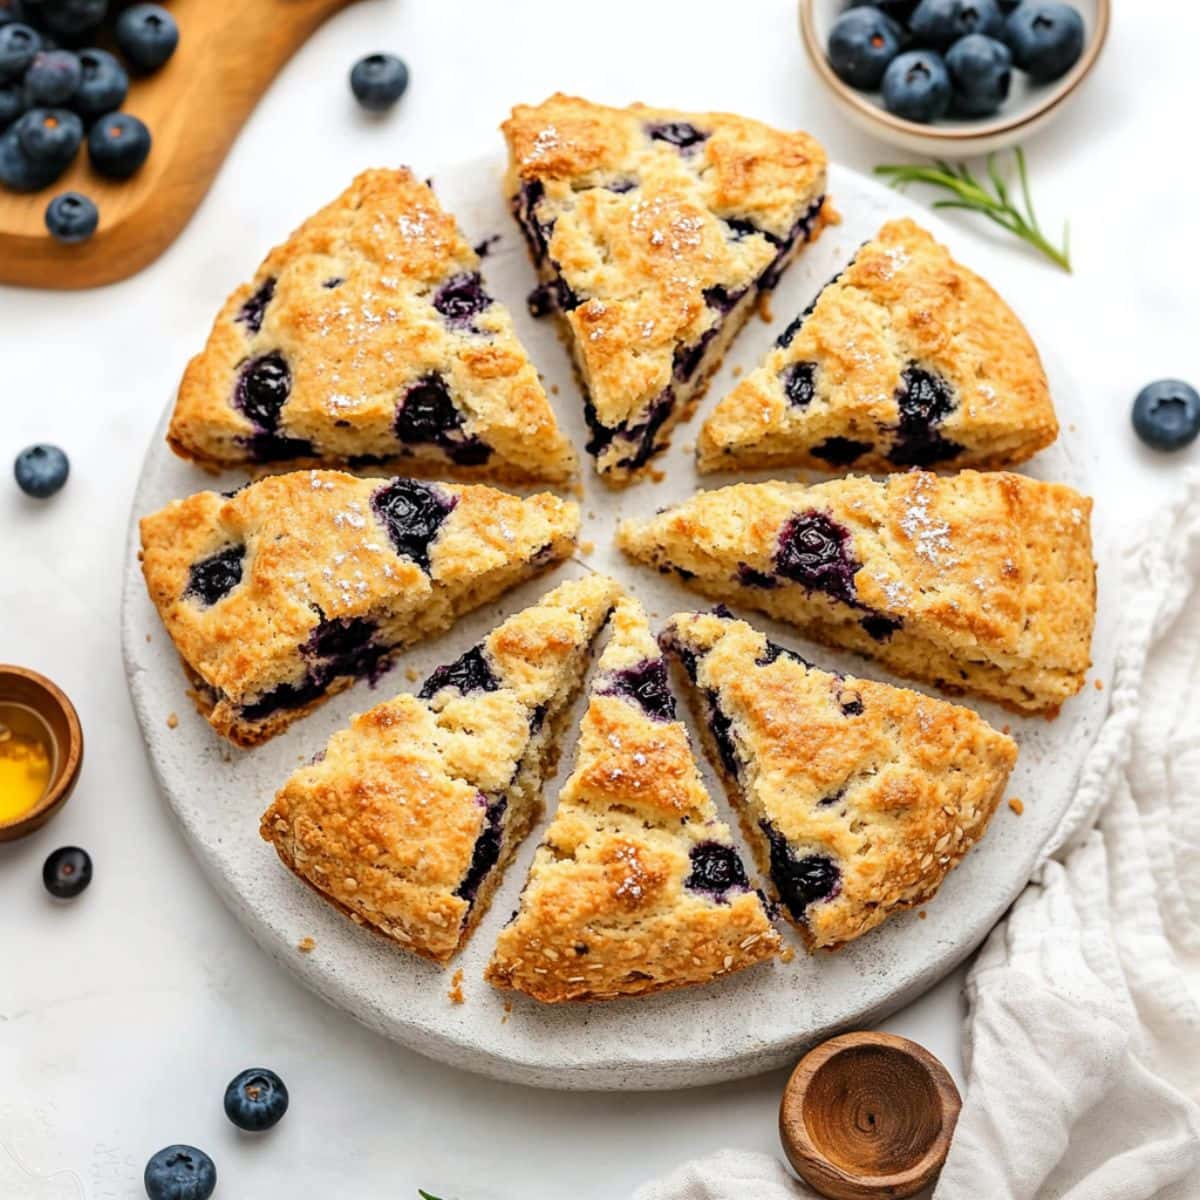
868,1115
34,693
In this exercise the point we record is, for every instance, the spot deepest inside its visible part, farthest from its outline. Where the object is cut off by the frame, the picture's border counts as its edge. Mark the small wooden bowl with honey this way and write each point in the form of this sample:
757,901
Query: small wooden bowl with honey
41,751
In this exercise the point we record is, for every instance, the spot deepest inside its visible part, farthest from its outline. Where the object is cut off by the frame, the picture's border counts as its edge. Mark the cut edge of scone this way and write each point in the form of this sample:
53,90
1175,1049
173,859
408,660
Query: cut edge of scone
637,886
761,188
905,358
857,797
367,340
408,819
298,625
977,583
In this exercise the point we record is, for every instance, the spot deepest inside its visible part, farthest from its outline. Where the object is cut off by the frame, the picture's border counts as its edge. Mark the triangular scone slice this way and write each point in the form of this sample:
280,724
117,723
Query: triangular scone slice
368,337
637,886
858,798
654,233
906,359
285,592
979,583
409,817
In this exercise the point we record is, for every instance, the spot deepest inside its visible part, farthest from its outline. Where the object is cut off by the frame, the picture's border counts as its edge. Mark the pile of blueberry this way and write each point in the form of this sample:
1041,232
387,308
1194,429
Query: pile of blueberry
930,58
58,90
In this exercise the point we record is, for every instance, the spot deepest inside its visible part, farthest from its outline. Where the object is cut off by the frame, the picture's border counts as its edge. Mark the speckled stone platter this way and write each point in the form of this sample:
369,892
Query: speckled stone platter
747,1024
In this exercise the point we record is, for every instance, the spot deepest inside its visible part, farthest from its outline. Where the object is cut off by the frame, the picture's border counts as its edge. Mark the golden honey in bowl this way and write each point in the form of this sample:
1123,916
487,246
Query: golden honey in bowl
27,756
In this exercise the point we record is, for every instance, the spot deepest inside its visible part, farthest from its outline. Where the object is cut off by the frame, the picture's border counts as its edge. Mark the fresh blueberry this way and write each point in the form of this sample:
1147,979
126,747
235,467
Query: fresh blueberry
938,23
378,81
916,86
70,18
18,45
1166,414
147,35
53,77
900,11
861,45
180,1173
981,71
103,84
12,103
50,135
41,470
72,218
18,172
118,145
1046,39
67,872
256,1100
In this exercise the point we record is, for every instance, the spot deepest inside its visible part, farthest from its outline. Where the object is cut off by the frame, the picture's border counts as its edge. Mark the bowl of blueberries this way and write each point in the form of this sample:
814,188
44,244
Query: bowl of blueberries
953,78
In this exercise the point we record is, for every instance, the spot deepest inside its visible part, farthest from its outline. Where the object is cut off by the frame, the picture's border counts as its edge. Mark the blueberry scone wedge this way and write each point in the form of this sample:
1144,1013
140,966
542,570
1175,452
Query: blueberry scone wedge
979,582
906,359
654,233
369,338
287,591
637,886
858,798
409,817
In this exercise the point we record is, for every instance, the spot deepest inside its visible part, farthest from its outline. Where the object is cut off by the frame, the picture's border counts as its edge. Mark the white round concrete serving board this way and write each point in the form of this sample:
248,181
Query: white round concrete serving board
747,1024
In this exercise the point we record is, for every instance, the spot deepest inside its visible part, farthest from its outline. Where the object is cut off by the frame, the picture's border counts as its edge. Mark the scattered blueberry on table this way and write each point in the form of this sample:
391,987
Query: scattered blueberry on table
41,471
118,145
937,57
378,81
1166,414
67,872
72,218
180,1173
256,1100
147,35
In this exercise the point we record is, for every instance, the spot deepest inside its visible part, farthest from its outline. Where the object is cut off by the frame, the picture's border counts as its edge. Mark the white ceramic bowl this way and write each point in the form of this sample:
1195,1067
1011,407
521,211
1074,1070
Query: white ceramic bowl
1029,107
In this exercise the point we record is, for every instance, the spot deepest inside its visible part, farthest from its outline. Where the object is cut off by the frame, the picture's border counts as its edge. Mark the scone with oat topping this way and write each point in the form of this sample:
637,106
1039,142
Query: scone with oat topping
654,233
905,359
979,583
369,338
858,798
287,591
637,886
409,817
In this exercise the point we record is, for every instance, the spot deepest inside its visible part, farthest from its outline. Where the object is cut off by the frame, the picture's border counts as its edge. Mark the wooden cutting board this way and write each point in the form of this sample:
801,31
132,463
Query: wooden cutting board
228,55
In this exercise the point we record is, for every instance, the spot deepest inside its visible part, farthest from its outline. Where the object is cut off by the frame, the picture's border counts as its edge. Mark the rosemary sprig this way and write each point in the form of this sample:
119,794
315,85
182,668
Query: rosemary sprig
997,205
425,1195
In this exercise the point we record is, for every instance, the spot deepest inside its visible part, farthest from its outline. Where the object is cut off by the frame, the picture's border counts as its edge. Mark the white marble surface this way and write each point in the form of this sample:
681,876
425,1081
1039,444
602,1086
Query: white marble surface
122,1017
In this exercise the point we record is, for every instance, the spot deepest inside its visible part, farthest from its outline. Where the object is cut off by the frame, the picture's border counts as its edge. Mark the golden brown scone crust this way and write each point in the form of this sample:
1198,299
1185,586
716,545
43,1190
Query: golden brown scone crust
643,260
902,302
606,911
386,824
990,577
891,787
354,349
315,549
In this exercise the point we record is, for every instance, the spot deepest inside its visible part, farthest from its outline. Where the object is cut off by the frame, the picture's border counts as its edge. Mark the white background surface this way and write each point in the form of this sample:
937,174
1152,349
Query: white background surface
123,1016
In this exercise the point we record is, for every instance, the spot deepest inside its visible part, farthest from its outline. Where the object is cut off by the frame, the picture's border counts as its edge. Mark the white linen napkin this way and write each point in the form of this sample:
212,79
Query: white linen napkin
1082,1036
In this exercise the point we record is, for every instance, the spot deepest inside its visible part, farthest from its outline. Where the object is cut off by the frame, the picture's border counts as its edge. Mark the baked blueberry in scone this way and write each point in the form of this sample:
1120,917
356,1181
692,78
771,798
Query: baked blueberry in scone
905,359
369,338
285,592
978,583
654,233
637,885
408,819
858,798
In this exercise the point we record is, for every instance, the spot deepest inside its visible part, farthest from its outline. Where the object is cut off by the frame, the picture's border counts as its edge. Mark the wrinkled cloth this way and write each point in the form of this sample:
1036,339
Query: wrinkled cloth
1081,1044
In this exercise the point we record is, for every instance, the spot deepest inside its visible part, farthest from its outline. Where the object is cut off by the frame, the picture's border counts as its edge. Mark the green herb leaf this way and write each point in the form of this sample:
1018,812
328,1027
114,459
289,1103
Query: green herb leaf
425,1195
997,204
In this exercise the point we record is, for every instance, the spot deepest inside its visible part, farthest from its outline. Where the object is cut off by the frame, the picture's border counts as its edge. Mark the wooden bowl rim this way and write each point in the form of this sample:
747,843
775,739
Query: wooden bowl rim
67,774
794,1127
1056,94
